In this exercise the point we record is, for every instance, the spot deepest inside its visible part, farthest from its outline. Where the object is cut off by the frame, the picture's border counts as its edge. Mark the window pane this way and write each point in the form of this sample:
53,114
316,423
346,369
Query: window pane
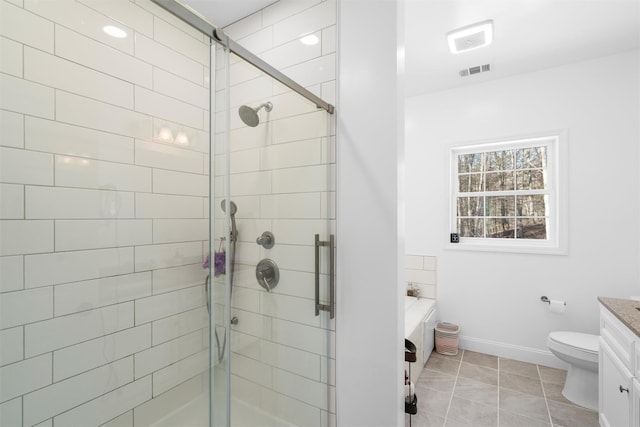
470,162
532,205
470,206
532,228
506,191
500,228
534,157
501,206
499,160
469,227
470,182
531,180
500,181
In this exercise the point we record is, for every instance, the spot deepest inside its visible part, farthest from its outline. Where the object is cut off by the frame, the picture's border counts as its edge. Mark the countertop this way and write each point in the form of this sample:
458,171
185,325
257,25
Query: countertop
625,310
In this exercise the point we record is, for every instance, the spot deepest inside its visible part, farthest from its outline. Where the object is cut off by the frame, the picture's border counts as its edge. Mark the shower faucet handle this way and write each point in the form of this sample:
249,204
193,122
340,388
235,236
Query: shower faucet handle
267,274
266,240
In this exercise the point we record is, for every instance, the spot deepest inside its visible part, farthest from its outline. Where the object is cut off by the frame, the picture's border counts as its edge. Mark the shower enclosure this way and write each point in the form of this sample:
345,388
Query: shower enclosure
167,223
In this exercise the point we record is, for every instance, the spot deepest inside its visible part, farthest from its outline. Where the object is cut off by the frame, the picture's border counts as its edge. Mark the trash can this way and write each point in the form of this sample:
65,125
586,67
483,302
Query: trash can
447,338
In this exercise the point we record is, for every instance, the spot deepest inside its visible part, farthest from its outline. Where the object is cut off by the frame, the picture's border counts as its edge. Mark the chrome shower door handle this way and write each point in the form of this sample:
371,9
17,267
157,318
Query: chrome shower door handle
331,307
317,274
332,277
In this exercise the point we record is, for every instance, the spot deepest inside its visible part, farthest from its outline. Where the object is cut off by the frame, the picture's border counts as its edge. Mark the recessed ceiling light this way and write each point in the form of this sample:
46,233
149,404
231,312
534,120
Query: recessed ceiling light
114,31
471,37
310,40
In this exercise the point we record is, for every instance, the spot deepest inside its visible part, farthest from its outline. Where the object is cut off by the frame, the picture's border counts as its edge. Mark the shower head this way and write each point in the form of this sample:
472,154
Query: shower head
234,208
249,115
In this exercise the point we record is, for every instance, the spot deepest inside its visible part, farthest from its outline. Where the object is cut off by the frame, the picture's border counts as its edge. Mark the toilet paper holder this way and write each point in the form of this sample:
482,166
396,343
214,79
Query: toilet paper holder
546,299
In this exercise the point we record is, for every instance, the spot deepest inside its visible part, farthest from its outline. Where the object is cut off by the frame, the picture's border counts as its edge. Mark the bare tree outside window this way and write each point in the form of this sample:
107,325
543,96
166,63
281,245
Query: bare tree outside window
504,193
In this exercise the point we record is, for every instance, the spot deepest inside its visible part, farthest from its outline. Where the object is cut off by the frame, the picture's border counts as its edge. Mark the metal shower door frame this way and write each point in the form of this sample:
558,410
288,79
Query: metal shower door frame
201,24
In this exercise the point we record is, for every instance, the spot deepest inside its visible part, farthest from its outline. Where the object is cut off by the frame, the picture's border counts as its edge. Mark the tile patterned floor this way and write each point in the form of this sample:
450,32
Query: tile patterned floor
476,390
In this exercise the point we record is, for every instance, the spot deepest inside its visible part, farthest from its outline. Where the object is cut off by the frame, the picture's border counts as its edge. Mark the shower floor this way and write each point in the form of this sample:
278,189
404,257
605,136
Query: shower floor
194,414
242,414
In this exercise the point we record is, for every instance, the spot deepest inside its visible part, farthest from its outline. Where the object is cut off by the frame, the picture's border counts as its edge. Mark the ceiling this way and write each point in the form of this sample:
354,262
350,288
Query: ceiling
529,35
225,12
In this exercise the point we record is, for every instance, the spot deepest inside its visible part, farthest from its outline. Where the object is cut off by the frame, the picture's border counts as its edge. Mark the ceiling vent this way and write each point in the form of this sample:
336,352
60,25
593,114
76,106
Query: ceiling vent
475,70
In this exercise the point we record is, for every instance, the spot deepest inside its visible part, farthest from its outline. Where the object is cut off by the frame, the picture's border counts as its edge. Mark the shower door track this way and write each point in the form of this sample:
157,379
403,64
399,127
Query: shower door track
201,24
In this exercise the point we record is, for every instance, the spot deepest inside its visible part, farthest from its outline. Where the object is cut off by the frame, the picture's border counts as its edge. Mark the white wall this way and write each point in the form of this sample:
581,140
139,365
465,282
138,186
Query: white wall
370,242
495,297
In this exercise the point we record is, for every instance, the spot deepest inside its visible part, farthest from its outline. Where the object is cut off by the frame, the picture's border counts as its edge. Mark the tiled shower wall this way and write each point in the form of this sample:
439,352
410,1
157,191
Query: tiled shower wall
283,180
104,213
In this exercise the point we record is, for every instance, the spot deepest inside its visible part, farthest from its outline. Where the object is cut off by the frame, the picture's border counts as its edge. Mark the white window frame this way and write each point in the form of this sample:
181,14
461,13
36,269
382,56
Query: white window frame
557,173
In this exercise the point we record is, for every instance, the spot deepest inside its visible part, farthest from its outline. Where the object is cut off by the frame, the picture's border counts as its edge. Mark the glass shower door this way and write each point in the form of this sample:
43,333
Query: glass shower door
274,192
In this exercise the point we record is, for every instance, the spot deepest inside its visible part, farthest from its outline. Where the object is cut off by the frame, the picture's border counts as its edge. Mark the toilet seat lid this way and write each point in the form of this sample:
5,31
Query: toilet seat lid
578,340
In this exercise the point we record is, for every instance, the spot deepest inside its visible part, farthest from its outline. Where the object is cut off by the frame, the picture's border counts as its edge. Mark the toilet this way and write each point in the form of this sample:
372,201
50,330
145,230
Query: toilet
580,351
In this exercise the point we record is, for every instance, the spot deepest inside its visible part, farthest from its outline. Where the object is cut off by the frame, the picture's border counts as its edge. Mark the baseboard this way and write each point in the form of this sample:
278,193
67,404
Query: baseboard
510,351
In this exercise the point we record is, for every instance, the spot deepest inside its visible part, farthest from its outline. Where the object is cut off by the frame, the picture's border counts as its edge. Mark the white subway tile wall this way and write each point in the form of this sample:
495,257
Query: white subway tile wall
282,180
103,213
420,272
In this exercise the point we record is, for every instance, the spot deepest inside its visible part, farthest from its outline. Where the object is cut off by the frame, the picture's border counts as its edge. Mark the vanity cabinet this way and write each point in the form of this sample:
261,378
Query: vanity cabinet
636,403
615,402
619,389
635,396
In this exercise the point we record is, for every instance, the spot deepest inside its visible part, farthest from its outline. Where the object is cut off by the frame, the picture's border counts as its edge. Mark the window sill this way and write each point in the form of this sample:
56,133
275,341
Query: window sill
502,248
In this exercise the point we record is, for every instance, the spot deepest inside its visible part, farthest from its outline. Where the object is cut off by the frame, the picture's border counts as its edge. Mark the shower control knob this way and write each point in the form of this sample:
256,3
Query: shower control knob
266,240
267,274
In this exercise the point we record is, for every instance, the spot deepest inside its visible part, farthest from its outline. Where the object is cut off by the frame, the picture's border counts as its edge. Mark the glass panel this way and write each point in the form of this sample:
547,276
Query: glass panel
500,228
470,206
470,162
500,181
531,158
501,206
534,179
532,205
468,183
471,227
499,160
281,180
532,228
223,245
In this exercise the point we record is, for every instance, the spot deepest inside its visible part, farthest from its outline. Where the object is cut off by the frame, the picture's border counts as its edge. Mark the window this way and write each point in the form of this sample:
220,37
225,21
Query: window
506,195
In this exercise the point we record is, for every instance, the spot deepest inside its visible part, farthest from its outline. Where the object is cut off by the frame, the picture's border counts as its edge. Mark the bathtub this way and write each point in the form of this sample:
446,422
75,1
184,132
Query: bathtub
419,324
